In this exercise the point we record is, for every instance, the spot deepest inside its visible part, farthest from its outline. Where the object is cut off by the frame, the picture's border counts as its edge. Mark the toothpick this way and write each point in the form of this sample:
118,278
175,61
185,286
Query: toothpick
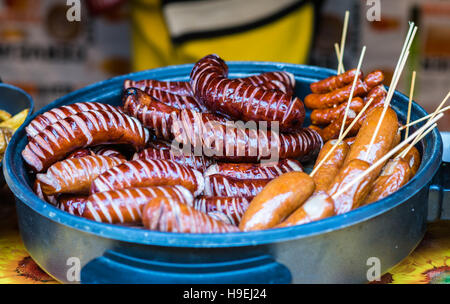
355,80
343,38
423,118
338,52
388,155
411,93
349,128
415,141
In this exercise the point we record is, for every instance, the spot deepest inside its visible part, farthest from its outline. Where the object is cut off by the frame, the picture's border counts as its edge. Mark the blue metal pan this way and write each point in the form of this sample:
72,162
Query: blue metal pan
335,249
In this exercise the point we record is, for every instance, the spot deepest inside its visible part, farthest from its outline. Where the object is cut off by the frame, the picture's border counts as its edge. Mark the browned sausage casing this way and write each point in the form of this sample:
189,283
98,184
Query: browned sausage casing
243,101
277,200
254,171
170,215
75,175
81,153
325,175
395,174
41,121
37,188
413,158
176,101
233,207
334,82
280,81
125,206
326,116
81,130
181,88
218,185
318,206
74,204
333,129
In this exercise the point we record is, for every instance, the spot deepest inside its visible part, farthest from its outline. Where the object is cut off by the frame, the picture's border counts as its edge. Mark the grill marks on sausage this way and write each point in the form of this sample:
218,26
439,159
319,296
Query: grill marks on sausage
176,101
218,185
232,207
180,88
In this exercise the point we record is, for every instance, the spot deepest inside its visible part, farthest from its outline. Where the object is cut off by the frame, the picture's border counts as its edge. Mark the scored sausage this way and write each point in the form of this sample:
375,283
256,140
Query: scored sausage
277,200
334,82
125,206
181,88
74,204
218,185
176,101
75,175
171,215
280,81
151,172
81,130
233,207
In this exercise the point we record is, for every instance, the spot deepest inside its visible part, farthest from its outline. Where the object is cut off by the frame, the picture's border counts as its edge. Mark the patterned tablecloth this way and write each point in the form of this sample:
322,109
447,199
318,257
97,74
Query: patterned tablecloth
429,263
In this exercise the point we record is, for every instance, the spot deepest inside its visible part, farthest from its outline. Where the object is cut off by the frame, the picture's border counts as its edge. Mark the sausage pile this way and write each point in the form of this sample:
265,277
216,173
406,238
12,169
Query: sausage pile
168,158
329,97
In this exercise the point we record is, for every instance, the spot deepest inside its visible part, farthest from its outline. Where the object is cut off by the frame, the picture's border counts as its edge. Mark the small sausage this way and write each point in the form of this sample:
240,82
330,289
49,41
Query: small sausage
74,204
75,175
395,174
413,158
145,173
328,100
125,206
254,171
218,185
50,117
325,175
333,129
334,82
353,197
170,215
200,163
233,207
318,206
378,94
243,101
326,116
81,130
277,200
181,88
176,101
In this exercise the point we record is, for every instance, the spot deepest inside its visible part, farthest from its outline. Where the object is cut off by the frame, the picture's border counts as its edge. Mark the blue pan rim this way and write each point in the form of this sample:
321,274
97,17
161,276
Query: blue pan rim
134,235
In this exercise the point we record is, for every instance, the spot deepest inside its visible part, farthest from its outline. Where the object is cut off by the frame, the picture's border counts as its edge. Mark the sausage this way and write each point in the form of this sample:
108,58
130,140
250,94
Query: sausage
181,88
383,141
237,144
37,188
200,163
218,185
277,200
353,197
108,151
74,204
318,206
171,215
350,140
413,158
280,81
125,206
75,175
243,101
325,175
176,101
254,171
50,117
334,82
233,207
333,129
81,153
81,130
378,94
395,174
327,100
145,173
326,116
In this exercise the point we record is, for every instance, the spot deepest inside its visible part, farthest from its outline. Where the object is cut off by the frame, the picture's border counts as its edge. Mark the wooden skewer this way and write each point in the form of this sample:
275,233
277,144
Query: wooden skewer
336,49
423,118
343,38
411,93
342,137
415,141
355,80
378,163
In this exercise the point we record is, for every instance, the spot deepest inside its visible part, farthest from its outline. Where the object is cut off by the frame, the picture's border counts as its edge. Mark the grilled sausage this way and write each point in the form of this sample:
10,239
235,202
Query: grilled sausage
37,188
81,153
75,175
326,116
125,206
413,158
277,200
181,88
243,101
200,163
318,206
80,130
254,171
176,101
330,168
145,173
334,82
108,151
237,144
218,185
233,207
50,117
395,174
328,100
279,81
333,129
74,204
170,215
